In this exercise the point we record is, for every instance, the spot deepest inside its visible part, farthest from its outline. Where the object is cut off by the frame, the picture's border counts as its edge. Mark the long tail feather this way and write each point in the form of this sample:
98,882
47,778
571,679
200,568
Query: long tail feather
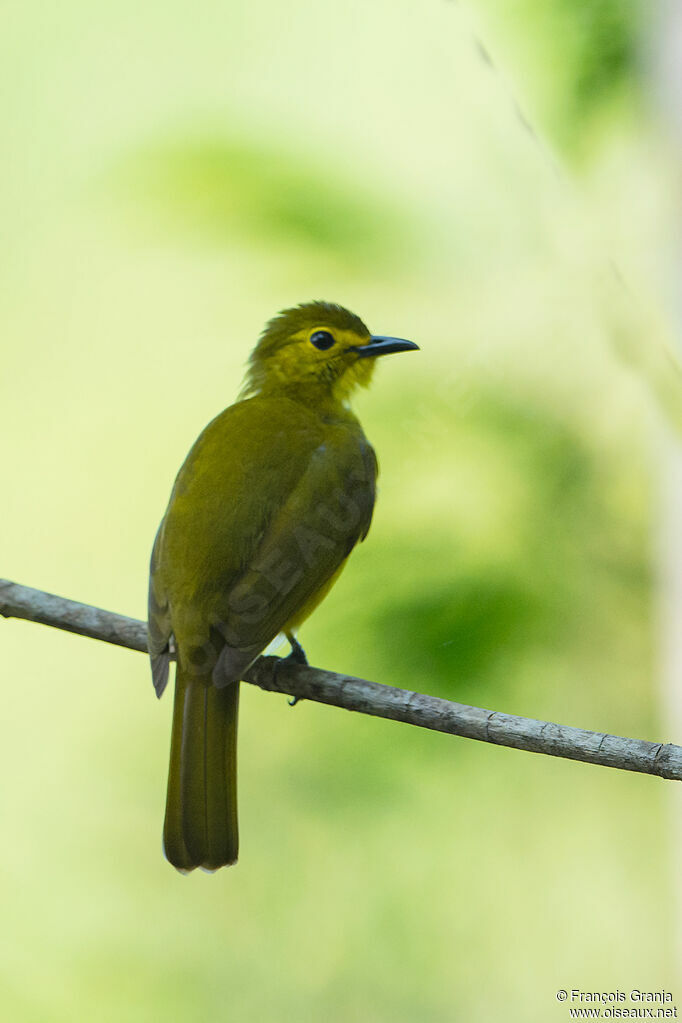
200,829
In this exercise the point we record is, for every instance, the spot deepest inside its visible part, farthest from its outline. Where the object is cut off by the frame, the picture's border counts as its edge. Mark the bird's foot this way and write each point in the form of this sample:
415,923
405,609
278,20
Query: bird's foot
296,656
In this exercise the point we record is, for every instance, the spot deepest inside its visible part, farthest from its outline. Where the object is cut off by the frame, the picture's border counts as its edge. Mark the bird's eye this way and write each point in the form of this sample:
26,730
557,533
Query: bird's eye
322,339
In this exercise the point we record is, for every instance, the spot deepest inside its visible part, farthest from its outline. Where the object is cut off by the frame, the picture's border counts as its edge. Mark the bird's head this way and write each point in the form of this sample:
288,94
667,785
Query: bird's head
317,346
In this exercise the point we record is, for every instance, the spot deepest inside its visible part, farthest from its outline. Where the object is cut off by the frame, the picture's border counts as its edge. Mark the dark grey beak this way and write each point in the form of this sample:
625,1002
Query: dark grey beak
379,345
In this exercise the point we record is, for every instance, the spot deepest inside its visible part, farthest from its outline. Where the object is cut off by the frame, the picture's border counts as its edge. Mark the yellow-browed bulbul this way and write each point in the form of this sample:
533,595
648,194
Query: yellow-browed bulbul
266,508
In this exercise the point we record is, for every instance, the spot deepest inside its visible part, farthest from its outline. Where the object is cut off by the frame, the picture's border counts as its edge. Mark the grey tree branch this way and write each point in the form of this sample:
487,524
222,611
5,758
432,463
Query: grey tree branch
664,760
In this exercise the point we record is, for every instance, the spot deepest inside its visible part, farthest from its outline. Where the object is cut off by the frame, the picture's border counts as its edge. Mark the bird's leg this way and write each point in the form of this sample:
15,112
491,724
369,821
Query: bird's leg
297,656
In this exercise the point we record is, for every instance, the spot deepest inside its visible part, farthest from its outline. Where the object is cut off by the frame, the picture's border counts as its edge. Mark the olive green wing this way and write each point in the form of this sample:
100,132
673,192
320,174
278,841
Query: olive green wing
326,513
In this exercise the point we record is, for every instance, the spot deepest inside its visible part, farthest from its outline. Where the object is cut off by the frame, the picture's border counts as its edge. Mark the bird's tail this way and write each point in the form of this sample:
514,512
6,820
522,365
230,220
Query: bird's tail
200,829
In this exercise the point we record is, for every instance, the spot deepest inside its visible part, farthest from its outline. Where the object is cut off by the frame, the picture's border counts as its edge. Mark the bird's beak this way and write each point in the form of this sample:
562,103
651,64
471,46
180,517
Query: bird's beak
379,345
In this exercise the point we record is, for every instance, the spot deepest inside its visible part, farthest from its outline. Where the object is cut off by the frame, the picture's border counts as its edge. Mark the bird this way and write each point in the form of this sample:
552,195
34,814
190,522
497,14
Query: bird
273,496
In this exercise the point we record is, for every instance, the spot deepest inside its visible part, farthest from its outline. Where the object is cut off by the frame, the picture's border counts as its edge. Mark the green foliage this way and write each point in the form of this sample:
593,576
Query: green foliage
578,58
606,46
226,191
462,630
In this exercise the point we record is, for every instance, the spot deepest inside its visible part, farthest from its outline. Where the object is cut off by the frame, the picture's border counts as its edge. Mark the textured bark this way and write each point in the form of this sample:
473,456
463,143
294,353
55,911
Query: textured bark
303,682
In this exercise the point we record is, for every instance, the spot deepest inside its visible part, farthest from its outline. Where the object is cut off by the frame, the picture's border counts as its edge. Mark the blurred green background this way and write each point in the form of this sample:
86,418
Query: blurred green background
172,176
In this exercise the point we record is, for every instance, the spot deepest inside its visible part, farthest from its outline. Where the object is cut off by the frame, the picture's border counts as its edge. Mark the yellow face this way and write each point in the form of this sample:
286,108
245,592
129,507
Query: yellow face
317,347
322,353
